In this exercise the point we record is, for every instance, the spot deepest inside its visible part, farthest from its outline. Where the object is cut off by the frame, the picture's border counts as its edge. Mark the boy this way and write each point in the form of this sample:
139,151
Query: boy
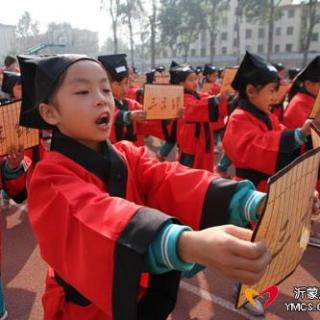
129,112
98,210
11,85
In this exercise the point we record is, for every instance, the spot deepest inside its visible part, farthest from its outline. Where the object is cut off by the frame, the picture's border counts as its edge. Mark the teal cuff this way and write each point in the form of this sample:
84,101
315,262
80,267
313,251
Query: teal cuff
162,255
12,173
126,117
189,274
166,148
244,204
224,163
299,137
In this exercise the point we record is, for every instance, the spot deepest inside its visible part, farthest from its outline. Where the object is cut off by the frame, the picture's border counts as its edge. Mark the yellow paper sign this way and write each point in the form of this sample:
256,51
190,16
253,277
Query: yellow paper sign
162,101
11,134
285,219
139,81
282,92
315,112
228,76
206,87
315,135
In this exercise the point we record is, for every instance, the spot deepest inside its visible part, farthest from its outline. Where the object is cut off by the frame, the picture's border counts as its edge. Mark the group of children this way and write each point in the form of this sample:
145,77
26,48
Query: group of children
119,228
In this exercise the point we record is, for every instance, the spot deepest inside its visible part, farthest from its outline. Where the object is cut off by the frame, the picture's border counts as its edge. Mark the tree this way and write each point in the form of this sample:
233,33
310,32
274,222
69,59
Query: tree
27,32
182,20
129,11
213,11
265,11
309,19
114,11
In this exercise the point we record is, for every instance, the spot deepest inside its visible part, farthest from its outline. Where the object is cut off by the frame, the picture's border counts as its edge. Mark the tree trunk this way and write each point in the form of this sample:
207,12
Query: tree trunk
114,18
270,31
131,39
153,33
311,9
238,20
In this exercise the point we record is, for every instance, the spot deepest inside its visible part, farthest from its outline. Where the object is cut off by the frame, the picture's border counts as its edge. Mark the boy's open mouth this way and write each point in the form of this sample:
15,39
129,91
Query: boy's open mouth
103,119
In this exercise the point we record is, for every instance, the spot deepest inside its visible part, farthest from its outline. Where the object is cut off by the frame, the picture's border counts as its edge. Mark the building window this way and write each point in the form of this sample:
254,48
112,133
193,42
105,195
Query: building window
315,37
248,33
235,42
288,47
278,31
290,31
224,50
224,36
261,33
277,48
203,52
203,38
291,13
193,52
260,48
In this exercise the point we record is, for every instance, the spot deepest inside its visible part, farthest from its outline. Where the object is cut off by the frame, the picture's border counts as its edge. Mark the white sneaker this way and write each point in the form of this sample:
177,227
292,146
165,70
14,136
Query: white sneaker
255,310
5,315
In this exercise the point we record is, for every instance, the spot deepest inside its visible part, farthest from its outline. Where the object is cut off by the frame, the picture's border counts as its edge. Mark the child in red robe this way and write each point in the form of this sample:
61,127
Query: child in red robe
100,211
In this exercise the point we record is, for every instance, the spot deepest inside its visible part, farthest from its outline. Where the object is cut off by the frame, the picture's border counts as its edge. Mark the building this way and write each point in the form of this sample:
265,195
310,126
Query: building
253,37
7,39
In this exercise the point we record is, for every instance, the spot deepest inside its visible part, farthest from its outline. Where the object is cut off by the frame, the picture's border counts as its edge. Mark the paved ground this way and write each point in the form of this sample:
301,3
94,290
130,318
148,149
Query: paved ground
207,296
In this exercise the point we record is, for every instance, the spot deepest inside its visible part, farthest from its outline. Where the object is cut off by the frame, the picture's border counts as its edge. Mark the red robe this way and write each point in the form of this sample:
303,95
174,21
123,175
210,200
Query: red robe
298,110
121,130
94,220
132,93
194,136
257,144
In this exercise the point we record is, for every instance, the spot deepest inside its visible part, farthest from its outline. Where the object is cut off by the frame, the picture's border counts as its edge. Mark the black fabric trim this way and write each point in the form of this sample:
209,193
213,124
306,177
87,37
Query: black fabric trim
161,296
254,176
213,107
20,197
287,149
244,104
216,204
71,294
107,165
129,260
164,128
184,157
123,131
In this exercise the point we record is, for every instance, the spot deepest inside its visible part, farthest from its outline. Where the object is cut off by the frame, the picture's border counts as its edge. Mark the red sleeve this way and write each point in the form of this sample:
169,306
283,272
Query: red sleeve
297,112
166,186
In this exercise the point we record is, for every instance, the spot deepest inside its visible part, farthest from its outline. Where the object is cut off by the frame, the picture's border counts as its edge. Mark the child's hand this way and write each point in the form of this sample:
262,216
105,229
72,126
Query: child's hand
306,128
316,206
138,115
15,156
181,112
228,249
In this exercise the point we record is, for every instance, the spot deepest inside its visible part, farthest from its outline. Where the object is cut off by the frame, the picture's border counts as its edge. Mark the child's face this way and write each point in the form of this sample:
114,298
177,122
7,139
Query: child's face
190,83
83,105
212,77
120,88
263,98
17,91
312,87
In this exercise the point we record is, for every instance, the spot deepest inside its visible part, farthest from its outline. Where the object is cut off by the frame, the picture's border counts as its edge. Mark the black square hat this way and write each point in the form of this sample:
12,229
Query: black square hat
116,65
160,68
9,80
40,77
174,64
209,69
150,76
293,72
254,70
311,71
180,73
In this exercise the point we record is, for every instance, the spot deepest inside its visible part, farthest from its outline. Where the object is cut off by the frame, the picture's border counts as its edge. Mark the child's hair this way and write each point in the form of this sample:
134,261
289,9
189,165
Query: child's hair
9,60
262,84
